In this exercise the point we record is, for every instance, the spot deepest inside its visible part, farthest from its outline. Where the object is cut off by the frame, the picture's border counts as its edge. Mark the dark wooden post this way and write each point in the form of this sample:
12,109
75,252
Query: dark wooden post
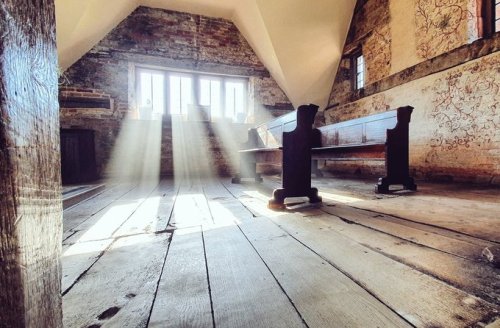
397,154
30,183
296,167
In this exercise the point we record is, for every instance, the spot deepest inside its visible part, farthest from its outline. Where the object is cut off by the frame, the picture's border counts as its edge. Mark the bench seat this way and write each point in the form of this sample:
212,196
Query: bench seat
261,150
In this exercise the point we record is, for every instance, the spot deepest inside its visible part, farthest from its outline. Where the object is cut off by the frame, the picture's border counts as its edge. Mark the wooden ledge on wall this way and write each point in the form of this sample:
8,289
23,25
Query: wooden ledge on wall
83,98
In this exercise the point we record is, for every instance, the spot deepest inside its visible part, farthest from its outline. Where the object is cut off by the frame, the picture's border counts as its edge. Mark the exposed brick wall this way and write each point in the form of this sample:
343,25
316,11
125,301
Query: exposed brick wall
455,93
88,98
166,39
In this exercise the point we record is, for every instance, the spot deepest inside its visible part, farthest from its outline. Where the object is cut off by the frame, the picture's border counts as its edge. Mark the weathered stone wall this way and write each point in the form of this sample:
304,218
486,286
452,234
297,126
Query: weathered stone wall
166,39
454,126
372,36
394,35
453,85
30,200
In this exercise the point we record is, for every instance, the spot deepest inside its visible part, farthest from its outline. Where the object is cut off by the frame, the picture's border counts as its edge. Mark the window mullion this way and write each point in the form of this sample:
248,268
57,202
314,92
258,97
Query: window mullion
166,93
223,98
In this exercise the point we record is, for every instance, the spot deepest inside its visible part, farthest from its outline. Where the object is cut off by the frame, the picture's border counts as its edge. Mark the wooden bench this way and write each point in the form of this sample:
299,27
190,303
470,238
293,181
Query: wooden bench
381,137
285,141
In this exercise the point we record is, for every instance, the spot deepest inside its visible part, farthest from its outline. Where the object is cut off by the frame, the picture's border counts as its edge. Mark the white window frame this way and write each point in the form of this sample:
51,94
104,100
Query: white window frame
359,69
196,91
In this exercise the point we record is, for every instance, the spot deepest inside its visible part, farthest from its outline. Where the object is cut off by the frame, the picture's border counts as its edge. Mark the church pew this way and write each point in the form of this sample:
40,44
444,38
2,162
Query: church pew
286,140
378,137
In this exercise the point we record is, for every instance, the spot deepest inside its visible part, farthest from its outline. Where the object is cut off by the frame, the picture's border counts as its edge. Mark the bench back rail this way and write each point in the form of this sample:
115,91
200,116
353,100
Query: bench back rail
358,132
270,134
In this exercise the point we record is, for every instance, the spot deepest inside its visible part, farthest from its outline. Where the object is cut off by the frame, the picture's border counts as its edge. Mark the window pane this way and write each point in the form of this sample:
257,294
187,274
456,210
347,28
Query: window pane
204,92
150,94
186,93
215,96
181,93
210,94
158,96
145,90
175,94
360,72
230,100
235,100
497,16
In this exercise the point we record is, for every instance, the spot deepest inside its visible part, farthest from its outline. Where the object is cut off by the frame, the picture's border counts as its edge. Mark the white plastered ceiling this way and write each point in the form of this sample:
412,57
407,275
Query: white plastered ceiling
299,41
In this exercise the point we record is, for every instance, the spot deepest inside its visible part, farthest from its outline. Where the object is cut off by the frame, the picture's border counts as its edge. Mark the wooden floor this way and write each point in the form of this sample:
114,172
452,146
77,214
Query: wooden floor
210,254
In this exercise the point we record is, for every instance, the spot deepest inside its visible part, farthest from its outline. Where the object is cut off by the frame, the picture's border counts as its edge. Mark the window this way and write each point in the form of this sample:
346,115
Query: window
150,94
491,17
359,71
235,98
497,15
178,93
211,95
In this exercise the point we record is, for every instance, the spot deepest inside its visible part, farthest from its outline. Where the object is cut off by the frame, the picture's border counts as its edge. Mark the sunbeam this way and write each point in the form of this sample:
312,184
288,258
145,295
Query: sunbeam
193,147
137,152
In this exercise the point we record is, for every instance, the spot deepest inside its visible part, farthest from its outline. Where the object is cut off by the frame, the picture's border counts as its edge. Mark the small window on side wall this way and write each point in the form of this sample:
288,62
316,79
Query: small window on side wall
497,15
491,17
358,73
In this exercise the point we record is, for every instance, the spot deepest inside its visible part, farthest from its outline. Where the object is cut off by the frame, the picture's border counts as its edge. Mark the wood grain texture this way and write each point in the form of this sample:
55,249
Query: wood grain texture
30,203
121,211
478,219
300,267
191,208
117,290
106,222
78,258
183,298
442,239
224,207
244,293
153,213
422,300
326,298
476,278
84,210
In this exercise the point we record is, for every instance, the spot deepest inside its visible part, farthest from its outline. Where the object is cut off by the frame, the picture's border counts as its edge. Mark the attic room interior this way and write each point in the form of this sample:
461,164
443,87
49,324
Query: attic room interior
249,163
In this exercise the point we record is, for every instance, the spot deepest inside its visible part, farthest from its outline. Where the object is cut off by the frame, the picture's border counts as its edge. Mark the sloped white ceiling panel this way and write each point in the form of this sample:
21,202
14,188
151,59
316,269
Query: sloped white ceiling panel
81,24
307,38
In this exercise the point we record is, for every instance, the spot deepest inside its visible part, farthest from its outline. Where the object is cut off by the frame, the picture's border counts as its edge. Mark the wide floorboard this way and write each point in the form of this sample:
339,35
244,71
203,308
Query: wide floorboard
209,253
